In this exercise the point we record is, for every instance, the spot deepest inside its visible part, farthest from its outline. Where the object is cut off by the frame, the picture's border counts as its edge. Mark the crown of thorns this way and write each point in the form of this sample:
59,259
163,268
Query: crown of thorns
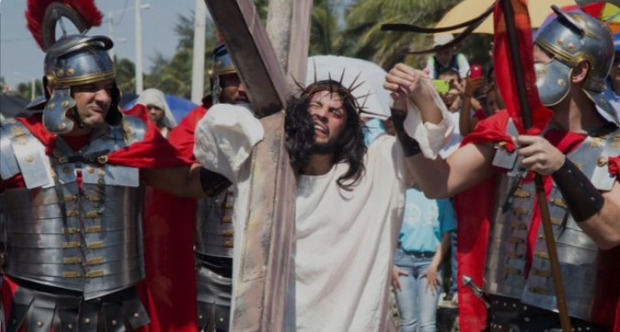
347,92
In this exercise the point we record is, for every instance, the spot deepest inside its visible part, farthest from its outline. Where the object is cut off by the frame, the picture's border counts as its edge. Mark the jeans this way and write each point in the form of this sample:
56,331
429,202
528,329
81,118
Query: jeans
416,302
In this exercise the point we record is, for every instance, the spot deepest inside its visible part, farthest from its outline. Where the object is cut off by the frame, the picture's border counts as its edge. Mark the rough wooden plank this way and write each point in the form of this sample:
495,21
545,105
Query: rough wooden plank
260,291
252,52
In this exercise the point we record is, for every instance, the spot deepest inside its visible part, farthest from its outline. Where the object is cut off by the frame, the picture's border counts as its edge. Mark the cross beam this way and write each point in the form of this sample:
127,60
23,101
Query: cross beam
260,288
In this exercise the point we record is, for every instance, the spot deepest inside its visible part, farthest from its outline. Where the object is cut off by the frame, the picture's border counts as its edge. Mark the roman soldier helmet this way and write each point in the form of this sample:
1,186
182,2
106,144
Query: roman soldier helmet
71,60
573,37
222,65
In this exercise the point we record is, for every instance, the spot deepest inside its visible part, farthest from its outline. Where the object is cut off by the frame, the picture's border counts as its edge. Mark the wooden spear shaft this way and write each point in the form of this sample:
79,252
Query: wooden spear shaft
526,115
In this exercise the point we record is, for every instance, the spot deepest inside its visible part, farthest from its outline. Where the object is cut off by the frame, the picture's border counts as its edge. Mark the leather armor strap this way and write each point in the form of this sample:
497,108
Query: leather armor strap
582,198
212,183
410,146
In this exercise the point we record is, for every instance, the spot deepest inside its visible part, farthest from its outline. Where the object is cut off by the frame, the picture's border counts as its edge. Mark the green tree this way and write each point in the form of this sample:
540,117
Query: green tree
126,76
363,28
24,89
325,34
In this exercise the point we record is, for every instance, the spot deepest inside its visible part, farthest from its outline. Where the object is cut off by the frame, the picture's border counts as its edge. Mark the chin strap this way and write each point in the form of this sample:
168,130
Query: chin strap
582,198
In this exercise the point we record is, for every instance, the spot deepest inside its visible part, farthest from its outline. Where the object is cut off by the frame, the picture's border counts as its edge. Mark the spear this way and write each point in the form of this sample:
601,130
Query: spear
526,117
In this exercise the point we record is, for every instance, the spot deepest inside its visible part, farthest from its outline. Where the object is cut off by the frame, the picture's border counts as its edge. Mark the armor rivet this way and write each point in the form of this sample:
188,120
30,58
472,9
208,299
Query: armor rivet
602,161
113,322
136,315
201,316
29,158
90,170
40,324
526,319
560,41
524,308
62,126
570,46
87,321
60,72
561,82
64,104
70,72
222,319
70,326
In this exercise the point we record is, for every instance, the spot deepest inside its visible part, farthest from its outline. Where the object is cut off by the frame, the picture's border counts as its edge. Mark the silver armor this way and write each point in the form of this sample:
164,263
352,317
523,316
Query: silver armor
214,228
577,253
85,239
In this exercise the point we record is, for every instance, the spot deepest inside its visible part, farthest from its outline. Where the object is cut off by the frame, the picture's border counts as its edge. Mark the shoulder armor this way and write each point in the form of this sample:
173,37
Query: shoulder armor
8,163
29,156
135,128
503,158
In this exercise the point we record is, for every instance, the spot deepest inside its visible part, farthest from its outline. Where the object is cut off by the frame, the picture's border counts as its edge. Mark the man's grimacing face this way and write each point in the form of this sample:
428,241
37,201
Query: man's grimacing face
329,117
93,101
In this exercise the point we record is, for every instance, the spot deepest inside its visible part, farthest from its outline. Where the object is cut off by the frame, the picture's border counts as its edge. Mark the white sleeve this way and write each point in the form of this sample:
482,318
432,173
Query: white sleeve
430,65
225,137
430,136
463,64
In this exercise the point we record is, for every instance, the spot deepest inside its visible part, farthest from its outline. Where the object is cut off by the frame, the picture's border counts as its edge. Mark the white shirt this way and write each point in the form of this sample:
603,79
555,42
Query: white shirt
344,243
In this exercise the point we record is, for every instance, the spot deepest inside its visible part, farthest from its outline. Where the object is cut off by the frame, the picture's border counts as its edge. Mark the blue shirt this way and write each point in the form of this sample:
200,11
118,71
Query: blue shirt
372,129
424,222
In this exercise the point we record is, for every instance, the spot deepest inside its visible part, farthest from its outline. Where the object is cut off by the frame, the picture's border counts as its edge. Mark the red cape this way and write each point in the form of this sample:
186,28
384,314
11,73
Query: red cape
474,210
152,151
171,219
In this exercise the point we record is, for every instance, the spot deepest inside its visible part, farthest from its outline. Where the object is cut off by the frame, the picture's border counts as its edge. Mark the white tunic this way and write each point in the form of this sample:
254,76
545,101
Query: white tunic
344,243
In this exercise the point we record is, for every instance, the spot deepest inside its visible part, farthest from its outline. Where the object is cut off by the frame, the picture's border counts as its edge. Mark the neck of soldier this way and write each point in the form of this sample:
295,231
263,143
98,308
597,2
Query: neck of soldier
79,132
319,164
577,113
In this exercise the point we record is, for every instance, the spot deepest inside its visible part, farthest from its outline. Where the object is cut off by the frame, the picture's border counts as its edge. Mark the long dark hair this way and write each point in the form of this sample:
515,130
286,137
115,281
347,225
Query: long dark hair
300,140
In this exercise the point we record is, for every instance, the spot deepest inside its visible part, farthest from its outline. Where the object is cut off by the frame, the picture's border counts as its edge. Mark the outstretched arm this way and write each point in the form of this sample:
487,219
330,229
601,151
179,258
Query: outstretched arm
187,181
437,177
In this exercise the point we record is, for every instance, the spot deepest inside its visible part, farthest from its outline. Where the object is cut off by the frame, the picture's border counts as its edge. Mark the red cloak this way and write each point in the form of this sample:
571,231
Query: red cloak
170,267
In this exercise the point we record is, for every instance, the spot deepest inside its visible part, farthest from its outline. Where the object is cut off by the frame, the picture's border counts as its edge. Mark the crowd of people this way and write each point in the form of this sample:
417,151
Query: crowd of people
120,220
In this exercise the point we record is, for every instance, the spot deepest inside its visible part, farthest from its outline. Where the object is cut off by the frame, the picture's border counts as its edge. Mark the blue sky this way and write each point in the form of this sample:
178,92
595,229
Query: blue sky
21,59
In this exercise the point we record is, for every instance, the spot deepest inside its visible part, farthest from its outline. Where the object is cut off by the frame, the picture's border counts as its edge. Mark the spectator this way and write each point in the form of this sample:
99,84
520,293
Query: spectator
422,243
446,59
158,109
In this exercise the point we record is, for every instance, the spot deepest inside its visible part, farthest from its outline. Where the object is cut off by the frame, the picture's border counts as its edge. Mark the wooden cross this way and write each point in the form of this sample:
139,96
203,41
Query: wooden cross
260,291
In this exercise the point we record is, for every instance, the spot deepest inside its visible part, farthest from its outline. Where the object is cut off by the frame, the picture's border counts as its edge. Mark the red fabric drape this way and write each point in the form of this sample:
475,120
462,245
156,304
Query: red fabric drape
169,238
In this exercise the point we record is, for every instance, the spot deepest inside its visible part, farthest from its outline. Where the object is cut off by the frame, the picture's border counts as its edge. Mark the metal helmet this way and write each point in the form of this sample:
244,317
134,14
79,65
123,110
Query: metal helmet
222,65
573,37
71,61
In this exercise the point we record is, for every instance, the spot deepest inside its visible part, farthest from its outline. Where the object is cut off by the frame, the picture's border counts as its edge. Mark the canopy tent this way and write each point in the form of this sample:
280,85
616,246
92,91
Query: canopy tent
469,9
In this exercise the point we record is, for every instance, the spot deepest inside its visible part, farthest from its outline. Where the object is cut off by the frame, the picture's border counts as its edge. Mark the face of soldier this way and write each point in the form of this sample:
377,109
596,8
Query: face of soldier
233,91
92,102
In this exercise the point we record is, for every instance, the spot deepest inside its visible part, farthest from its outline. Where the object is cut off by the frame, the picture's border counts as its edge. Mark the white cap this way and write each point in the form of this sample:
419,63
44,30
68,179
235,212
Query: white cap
442,39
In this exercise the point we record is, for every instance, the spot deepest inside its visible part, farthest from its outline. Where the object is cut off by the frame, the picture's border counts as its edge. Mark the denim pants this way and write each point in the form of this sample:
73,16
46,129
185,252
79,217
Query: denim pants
417,302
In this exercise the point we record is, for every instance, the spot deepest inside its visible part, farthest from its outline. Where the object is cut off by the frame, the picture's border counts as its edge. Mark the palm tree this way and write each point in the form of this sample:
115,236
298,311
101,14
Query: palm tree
367,41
